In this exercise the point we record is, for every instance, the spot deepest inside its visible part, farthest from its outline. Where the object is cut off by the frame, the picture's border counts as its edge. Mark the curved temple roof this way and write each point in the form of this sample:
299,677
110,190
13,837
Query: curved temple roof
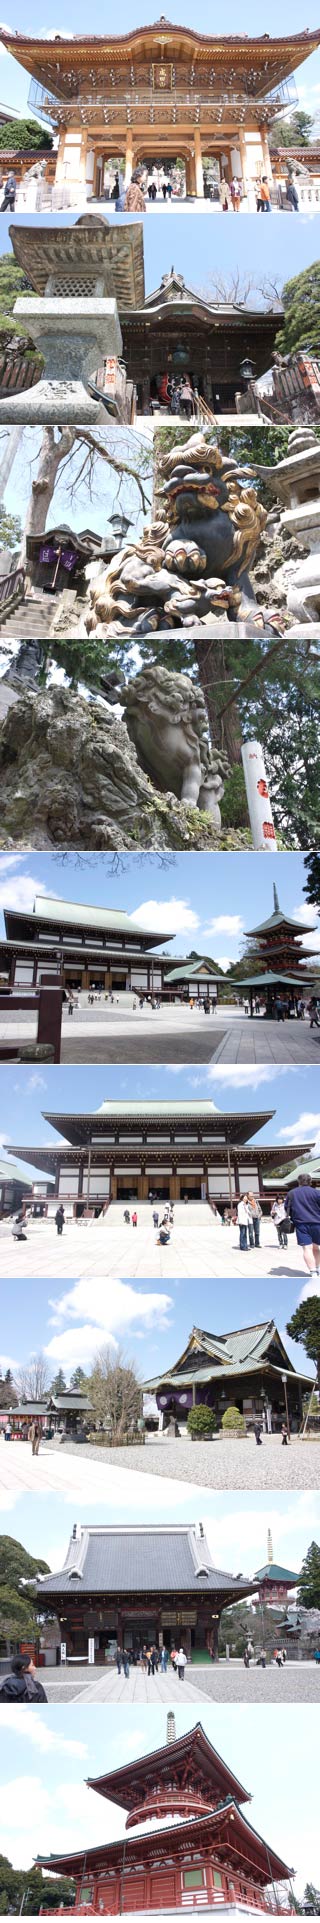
55,59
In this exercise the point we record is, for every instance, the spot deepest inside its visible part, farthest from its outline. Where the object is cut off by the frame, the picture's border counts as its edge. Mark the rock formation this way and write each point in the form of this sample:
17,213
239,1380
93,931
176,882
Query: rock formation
70,777
192,563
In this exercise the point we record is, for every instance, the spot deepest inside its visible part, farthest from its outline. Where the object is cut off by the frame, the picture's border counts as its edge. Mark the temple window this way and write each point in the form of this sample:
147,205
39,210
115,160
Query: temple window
193,1879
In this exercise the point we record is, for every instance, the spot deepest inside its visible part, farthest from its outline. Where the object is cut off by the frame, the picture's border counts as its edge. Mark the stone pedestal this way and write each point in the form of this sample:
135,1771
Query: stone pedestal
73,336
296,482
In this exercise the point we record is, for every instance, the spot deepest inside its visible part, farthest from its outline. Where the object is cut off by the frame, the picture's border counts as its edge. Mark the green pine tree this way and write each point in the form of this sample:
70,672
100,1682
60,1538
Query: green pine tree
309,1585
304,1326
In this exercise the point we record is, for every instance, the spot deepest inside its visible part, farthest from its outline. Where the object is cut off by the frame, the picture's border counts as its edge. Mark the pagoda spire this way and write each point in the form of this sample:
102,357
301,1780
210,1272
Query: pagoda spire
276,900
270,1547
171,1727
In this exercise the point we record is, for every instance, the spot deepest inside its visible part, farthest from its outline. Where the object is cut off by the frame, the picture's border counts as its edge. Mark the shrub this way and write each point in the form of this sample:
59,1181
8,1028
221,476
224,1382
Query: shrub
18,136
233,1420
201,1420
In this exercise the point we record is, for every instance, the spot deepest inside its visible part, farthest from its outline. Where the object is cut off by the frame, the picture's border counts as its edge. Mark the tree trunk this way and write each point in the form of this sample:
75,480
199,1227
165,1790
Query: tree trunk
210,657
52,453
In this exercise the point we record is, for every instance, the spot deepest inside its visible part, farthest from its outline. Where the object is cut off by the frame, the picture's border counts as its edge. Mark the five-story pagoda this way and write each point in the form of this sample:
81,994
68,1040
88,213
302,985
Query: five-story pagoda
188,1843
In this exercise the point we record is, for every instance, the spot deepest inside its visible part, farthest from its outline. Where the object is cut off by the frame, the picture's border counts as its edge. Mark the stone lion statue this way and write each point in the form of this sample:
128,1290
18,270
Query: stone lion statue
167,721
192,563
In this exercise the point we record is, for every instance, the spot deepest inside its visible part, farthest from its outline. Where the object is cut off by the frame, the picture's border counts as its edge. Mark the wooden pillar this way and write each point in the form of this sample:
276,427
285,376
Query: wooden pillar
267,168
243,158
83,157
174,1186
113,1187
198,163
85,978
192,174
143,1186
60,156
128,157
88,1176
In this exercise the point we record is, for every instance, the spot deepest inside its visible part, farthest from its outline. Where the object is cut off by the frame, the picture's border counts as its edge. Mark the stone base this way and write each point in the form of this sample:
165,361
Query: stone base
51,403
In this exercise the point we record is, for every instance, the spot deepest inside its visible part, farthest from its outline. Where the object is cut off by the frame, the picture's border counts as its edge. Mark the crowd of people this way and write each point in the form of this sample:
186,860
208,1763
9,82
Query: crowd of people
151,1659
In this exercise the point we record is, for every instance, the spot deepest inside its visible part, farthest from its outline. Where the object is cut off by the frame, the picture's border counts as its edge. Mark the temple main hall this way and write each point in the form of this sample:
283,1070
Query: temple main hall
188,1842
160,93
128,1150
246,1368
134,1586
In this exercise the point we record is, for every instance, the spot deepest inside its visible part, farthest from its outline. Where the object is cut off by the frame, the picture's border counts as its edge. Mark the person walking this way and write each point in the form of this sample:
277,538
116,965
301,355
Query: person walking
155,1218
134,1219
164,1660
9,197
279,1218
257,1433
291,194
243,1221
303,1208
181,1664
284,1435
60,1218
22,1686
134,201
18,1227
125,1663
118,1658
314,1012
279,1008
235,191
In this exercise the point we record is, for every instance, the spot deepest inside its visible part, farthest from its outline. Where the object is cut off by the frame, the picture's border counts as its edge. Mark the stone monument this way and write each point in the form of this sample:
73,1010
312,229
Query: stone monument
79,274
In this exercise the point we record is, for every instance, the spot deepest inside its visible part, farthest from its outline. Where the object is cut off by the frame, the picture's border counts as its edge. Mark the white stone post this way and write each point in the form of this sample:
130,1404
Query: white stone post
258,798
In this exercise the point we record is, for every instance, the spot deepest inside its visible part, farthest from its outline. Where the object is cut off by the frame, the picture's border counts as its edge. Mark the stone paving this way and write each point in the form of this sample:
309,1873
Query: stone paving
198,1247
217,1682
220,1464
121,1033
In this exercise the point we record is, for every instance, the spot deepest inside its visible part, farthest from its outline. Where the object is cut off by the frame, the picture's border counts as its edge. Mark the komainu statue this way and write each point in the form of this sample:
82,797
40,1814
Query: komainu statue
167,721
192,563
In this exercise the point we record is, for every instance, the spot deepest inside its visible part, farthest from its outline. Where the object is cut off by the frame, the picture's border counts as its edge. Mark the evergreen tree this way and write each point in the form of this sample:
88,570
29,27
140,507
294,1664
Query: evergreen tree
8,1396
19,136
309,1585
17,1605
79,1381
301,302
304,1326
295,132
59,1384
312,868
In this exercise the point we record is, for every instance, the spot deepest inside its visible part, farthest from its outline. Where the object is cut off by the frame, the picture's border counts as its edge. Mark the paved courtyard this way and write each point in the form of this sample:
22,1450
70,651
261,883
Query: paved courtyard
198,1246
124,1033
221,1682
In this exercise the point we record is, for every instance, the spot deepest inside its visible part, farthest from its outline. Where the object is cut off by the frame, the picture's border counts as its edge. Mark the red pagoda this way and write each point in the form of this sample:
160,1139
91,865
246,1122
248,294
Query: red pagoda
283,974
191,1845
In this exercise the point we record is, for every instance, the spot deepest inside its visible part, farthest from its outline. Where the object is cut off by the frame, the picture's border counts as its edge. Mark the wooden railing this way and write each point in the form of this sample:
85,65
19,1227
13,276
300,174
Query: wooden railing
11,587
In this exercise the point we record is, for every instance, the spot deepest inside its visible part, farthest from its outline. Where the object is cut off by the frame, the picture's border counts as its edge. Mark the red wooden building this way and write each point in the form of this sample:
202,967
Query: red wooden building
191,1844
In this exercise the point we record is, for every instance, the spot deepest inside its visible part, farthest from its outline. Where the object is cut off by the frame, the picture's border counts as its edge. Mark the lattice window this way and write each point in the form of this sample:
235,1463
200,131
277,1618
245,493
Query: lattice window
79,285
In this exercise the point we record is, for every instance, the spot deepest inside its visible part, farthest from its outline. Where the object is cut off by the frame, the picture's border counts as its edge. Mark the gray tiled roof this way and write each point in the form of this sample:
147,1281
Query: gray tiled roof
139,1560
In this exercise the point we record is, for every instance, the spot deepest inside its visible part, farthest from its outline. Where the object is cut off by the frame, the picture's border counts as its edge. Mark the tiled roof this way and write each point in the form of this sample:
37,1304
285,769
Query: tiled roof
137,1560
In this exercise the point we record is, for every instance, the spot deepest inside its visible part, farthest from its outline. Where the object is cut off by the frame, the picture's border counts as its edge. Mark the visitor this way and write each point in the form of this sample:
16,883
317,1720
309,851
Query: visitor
254,1220
174,1658
8,1431
265,196
19,1227
126,1215
71,1005
143,1658
151,187
279,1008
284,1435
22,1685
235,191
243,1221
119,1659
134,201
314,1012
9,197
60,1218
181,1664
186,397
291,195
262,1659
303,1208
125,1663
34,1438
279,1218
115,190
257,1426
164,1660
155,1218
134,1219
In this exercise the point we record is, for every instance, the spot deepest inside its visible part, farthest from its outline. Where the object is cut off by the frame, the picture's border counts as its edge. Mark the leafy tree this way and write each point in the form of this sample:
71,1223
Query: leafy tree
301,325
10,529
295,132
34,1888
24,136
304,1326
309,1585
17,1605
83,660
32,1380
13,282
312,868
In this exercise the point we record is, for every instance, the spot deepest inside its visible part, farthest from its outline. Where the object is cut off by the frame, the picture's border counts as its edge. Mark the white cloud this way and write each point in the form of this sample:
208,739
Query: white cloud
309,1288
224,925
171,917
20,891
225,962
125,1307
242,1076
307,1127
36,1081
8,1362
31,1728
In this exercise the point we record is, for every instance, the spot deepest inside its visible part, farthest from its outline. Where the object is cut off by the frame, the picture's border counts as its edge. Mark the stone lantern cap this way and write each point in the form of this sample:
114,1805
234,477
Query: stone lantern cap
92,257
299,468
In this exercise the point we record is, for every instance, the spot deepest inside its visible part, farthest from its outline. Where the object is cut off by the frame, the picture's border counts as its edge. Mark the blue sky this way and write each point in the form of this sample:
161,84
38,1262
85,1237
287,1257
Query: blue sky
14,84
236,1524
89,507
293,1093
150,1327
46,1806
207,902
205,248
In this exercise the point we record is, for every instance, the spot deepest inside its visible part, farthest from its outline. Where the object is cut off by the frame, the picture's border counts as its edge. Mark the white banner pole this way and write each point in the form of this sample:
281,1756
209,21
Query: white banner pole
258,798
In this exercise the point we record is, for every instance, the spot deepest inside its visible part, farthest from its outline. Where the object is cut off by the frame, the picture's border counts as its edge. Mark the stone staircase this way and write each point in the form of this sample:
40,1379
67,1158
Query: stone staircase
29,621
